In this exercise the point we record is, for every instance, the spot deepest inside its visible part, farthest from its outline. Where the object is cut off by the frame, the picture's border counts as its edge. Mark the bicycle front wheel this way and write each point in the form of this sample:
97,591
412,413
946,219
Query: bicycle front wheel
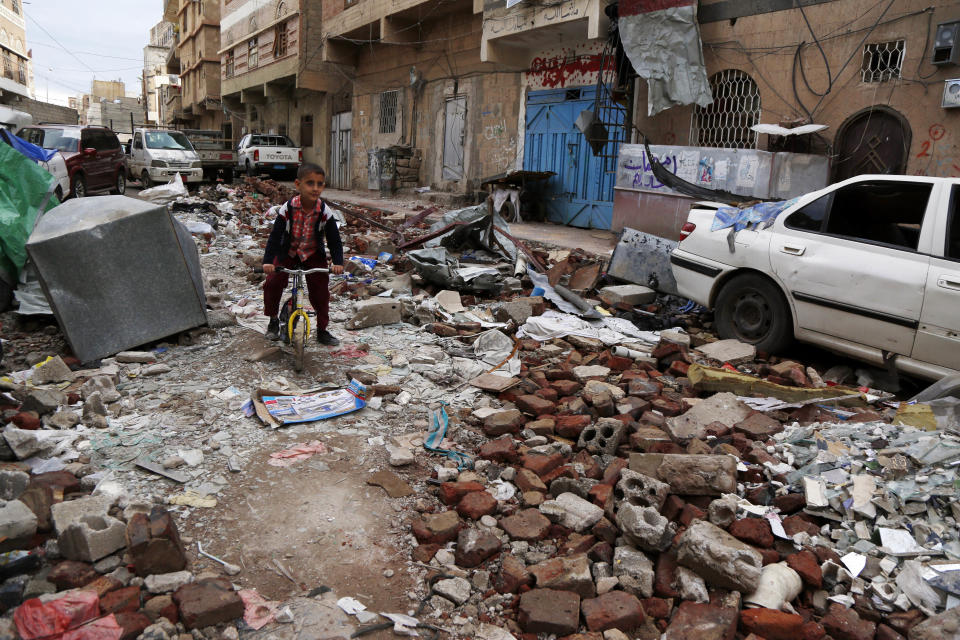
300,329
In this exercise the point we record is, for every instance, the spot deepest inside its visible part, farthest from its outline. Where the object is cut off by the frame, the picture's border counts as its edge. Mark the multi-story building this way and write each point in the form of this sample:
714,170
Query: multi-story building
155,69
15,78
194,58
272,75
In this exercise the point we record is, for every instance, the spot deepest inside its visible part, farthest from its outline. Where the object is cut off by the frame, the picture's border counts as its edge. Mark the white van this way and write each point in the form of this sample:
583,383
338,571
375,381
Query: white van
157,155
13,120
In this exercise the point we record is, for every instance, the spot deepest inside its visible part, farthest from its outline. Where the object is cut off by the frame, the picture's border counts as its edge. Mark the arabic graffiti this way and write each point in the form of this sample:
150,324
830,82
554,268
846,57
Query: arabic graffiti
643,177
555,72
532,18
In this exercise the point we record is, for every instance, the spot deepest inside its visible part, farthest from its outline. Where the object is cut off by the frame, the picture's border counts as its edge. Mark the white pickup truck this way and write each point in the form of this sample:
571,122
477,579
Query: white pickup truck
868,267
268,153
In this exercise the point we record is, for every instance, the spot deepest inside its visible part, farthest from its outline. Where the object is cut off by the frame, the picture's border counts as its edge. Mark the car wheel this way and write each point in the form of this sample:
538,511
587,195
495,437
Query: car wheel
145,180
121,185
79,189
751,309
250,170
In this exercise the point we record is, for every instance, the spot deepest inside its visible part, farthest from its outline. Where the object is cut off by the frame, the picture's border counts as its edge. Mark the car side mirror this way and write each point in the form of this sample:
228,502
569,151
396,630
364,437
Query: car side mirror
90,151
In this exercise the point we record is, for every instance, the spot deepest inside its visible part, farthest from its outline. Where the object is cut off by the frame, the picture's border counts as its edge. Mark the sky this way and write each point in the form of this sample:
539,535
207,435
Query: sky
75,41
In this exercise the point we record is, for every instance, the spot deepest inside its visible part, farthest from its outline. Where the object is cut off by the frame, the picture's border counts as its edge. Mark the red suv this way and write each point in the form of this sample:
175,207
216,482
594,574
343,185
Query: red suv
93,155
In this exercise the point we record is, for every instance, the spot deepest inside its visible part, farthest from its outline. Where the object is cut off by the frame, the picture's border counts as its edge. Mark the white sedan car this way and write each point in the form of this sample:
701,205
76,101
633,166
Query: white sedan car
868,267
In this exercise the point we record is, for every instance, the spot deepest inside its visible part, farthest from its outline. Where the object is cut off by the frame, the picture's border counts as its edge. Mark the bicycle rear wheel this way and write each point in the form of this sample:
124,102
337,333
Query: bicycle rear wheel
299,343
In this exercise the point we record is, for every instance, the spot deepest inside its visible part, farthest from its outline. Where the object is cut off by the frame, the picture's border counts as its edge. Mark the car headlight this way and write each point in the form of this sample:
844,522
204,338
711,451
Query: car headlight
158,163
197,164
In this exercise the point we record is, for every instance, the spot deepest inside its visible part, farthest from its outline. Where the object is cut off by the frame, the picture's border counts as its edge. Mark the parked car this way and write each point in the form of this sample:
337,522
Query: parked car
868,267
268,153
157,155
216,154
93,156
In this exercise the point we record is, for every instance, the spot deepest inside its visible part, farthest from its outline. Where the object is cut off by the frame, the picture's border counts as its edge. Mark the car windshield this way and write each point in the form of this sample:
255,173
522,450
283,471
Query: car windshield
60,139
271,141
173,140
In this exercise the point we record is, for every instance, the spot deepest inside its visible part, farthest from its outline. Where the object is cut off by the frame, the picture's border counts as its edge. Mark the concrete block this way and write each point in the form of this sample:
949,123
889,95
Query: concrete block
721,407
633,563
586,372
689,475
92,538
43,401
167,582
641,490
631,294
373,312
103,384
53,370
208,602
603,437
732,351
719,558
572,512
516,311
74,511
645,527
17,520
13,483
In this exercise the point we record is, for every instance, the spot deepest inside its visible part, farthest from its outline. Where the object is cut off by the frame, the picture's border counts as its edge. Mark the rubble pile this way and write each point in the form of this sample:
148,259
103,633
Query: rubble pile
560,455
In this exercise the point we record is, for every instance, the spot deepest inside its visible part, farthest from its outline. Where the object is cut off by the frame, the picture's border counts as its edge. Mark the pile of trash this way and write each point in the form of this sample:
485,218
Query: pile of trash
565,454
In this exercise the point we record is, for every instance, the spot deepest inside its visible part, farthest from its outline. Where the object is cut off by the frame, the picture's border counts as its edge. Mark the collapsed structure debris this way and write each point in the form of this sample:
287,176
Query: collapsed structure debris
585,458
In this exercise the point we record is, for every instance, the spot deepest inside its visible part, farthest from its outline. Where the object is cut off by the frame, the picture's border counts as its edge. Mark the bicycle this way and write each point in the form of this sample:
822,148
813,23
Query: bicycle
292,311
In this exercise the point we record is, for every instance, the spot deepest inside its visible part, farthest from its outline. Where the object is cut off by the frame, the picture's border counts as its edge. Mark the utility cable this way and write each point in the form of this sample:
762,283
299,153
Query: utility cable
75,57
826,62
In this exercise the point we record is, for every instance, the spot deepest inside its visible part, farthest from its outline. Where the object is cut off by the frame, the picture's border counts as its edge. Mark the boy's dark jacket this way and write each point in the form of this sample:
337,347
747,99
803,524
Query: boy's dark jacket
280,237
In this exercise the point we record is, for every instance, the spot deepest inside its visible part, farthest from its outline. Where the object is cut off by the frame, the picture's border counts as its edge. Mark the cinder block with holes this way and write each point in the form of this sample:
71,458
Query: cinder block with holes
603,437
641,490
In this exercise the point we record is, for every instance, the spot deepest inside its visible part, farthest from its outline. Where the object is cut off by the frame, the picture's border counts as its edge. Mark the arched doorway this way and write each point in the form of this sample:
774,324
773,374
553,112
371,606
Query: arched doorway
873,140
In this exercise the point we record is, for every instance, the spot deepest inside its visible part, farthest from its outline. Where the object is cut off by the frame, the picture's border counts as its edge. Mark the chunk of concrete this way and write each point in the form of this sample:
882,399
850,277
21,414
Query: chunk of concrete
586,372
13,483
92,538
719,558
689,475
70,512
26,443
571,511
571,573
103,384
456,589
135,357
720,407
603,437
731,351
631,294
43,401
644,527
641,490
633,563
53,370
167,582
373,312
17,520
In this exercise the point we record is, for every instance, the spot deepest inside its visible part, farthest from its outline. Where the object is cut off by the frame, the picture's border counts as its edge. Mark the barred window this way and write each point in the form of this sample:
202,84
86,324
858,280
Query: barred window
882,61
388,111
727,120
280,40
253,54
228,63
22,71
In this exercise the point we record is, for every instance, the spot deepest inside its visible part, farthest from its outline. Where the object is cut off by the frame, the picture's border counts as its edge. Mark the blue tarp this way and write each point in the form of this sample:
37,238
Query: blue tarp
32,151
762,215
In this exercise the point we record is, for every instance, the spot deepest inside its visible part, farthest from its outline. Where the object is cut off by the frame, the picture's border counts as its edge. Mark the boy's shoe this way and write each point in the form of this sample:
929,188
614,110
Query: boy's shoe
324,337
273,329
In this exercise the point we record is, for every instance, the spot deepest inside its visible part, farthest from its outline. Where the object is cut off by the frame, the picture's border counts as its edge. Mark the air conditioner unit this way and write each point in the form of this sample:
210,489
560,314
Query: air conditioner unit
946,48
951,94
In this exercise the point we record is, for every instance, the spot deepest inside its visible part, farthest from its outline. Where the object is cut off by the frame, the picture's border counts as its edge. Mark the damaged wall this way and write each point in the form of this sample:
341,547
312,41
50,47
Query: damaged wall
764,46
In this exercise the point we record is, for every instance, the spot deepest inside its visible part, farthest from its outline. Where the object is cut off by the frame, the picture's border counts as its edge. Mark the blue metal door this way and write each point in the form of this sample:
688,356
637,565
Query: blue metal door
581,194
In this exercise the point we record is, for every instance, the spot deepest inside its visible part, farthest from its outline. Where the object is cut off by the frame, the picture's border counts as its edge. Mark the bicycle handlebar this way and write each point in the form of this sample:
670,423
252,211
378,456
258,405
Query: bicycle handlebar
305,272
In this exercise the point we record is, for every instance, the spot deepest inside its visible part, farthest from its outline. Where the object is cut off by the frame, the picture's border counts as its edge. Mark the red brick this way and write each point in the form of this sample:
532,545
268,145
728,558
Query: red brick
611,475
528,524
666,406
125,599
659,608
665,576
527,480
600,494
133,623
702,622
541,464
571,426
27,420
154,543
793,525
499,450
565,471
690,513
513,575
164,607
477,504
550,395
844,624
886,633
613,610
771,624
678,368
549,611
453,492
436,528
71,574
790,503
534,405
566,387
806,564
207,602
755,531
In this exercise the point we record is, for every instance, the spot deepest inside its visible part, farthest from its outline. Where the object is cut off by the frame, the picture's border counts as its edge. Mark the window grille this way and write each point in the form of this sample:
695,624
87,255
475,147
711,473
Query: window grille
882,61
280,40
228,64
22,71
388,111
727,120
16,6
7,65
253,54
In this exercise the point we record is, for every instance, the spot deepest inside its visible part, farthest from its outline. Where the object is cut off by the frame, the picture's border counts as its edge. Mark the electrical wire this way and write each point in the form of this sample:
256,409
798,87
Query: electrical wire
72,54
826,62
83,53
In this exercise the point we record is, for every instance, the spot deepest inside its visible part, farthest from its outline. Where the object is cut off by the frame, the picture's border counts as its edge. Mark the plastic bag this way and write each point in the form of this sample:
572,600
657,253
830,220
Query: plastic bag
36,619
165,192
106,628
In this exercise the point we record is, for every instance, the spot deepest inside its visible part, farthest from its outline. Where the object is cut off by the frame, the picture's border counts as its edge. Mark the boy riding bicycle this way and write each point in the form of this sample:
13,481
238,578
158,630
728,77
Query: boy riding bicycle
302,226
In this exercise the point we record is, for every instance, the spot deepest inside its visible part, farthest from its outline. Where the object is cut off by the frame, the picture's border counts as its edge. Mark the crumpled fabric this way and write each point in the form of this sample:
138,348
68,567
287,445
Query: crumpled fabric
664,47
296,453
610,331
762,215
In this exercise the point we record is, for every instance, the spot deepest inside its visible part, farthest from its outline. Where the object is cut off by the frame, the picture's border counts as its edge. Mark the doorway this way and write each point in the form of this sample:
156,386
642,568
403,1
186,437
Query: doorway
874,140
339,176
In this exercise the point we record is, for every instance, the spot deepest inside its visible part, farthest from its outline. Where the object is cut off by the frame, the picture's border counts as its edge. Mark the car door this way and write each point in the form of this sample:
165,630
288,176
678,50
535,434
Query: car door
854,262
92,164
938,336
137,163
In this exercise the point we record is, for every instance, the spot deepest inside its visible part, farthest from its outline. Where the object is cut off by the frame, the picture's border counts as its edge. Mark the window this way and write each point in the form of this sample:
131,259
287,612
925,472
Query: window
7,65
881,212
228,64
882,61
280,40
727,120
138,141
952,250
306,130
15,5
388,111
22,71
252,54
